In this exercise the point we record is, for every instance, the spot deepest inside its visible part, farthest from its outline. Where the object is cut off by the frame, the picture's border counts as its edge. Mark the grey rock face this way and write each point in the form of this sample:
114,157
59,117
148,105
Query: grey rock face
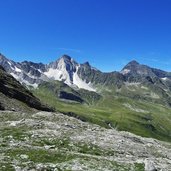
149,165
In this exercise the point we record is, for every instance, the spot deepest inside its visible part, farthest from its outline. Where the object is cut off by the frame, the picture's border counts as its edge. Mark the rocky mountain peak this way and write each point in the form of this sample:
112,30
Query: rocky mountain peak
86,63
65,57
131,64
130,67
64,61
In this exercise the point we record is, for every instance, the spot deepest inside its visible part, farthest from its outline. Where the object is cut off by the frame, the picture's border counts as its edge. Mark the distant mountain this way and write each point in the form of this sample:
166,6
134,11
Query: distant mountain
133,68
150,83
13,96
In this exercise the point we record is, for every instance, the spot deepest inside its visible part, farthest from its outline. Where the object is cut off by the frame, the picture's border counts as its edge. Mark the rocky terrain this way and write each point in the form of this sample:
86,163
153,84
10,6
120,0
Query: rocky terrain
53,141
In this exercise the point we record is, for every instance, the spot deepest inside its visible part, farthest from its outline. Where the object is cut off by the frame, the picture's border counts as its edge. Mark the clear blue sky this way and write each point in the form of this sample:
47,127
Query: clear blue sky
107,33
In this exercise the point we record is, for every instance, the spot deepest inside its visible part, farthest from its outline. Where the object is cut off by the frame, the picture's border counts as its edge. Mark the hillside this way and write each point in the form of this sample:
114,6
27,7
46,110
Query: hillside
111,110
13,96
53,141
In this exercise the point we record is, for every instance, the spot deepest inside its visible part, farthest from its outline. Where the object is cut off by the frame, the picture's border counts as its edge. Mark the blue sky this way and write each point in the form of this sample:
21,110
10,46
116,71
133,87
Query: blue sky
107,33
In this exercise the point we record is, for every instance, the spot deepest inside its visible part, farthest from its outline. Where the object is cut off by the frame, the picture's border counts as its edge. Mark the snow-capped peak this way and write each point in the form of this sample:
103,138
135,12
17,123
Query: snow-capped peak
64,69
80,83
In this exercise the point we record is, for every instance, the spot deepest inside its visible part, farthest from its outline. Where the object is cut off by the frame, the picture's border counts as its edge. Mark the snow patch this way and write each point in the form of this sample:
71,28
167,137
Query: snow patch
125,71
80,83
60,73
21,80
164,78
39,70
17,69
9,63
15,76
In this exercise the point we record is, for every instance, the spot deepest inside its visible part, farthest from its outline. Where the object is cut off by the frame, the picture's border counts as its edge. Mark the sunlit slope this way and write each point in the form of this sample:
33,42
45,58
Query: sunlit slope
146,117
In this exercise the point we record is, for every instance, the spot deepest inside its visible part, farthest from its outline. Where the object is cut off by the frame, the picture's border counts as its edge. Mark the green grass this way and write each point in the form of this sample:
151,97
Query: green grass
6,167
139,167
16,133
57,157
40,155
65,145
110,109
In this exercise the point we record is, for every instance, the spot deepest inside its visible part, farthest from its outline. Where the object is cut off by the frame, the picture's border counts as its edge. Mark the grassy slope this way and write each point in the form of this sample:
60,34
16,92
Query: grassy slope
110,109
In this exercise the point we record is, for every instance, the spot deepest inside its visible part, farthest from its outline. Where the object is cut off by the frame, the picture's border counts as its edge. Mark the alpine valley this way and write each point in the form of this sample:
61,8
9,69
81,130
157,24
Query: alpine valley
134,103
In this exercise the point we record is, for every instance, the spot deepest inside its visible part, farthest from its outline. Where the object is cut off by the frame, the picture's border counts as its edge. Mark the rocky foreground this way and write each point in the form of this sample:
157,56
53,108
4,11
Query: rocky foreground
53,141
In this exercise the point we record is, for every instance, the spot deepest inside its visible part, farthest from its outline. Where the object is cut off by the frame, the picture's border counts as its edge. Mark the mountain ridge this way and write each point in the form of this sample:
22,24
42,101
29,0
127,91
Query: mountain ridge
83,76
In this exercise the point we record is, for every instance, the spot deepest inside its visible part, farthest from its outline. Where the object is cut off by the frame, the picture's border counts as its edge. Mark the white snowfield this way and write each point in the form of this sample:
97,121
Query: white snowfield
61,74
80,83
17,69
125,71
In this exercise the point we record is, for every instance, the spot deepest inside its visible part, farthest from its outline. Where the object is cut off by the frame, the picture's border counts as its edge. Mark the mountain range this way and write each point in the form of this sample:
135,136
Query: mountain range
84,76
136,99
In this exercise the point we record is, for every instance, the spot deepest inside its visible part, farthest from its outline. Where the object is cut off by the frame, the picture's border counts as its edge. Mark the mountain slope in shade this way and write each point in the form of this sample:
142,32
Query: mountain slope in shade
13,96
62,91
